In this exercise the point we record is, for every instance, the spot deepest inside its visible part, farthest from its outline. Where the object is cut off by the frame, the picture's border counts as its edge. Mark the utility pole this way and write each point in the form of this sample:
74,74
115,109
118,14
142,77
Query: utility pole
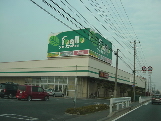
134,71
115,89
134,68
150,85
75,95
145,87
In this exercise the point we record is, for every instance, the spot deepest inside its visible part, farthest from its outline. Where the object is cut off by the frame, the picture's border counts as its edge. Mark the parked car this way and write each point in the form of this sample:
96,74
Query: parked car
31,93
49,91
156,98
53,93
8,89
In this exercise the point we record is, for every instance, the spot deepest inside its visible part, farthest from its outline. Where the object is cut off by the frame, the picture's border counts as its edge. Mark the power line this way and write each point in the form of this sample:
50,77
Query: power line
75,22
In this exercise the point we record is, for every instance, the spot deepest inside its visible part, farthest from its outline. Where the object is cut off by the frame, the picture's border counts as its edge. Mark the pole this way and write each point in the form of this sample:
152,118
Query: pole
134,68
150,85
145,88
115,89
75,96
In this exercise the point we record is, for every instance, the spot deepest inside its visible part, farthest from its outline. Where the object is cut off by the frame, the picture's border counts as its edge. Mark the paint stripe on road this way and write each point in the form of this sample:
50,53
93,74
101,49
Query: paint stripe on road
130,111
125,113
20,117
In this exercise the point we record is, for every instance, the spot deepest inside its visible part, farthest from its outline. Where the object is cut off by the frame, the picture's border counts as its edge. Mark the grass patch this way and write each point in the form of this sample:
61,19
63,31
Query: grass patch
87,109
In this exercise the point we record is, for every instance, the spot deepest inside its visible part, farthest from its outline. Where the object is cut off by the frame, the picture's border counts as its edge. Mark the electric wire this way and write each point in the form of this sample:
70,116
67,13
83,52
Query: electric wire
80,25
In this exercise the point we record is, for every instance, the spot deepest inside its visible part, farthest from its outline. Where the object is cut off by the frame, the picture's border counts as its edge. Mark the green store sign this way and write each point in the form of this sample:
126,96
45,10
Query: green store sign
67,43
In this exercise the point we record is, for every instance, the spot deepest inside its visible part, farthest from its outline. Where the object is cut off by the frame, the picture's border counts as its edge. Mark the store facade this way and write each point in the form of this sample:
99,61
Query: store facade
78,61
83,73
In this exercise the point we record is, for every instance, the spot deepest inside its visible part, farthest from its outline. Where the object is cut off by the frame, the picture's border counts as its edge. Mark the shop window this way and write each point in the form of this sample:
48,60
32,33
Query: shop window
61,80
57,79
36,80
51,80
44,78
43,81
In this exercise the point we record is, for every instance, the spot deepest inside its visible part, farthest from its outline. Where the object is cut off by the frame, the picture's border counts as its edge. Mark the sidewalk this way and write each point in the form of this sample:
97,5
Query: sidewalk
102,115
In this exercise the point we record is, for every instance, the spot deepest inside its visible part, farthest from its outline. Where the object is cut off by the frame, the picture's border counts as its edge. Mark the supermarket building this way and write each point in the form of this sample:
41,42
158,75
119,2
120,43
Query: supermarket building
77,60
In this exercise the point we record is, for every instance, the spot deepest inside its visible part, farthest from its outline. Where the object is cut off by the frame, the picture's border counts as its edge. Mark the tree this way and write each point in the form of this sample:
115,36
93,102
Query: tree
108,86
157,92
123,89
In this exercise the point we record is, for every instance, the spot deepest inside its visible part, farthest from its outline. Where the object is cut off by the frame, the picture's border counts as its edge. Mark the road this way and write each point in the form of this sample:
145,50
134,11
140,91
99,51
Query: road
147,112
54,109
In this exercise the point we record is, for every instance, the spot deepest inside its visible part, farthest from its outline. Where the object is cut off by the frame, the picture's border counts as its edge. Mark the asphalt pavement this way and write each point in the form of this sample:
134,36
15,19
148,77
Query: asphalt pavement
146,112
53,110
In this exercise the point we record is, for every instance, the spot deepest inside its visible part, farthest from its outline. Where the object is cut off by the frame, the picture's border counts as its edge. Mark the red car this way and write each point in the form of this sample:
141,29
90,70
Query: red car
31,93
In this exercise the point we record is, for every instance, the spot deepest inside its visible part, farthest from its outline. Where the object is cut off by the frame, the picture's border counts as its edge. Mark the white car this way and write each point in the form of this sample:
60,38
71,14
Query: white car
54,93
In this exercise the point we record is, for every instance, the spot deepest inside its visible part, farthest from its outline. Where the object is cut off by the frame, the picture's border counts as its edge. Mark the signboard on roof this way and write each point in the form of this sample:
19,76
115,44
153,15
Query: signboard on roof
80,42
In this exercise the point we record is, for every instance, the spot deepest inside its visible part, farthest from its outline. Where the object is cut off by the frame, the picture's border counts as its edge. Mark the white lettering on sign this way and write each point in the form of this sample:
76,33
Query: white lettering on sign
77,41
63,41
103,49
69,43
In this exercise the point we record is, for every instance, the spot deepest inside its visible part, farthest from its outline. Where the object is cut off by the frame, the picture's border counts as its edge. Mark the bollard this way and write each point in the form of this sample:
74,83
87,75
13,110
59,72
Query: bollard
117,106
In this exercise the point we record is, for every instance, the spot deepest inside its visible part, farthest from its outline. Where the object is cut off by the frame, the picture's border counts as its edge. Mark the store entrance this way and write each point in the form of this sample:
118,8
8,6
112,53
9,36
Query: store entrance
60,87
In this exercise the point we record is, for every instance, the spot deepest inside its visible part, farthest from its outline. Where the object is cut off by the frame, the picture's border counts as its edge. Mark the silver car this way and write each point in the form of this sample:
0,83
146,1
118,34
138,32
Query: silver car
156,98
54,93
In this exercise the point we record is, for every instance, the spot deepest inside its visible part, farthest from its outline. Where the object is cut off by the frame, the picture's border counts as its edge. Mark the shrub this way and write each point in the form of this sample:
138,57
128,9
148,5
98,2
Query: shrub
87,109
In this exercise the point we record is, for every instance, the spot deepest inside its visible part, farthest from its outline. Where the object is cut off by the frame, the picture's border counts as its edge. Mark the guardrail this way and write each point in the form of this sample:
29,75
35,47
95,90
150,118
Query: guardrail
118,101
144,98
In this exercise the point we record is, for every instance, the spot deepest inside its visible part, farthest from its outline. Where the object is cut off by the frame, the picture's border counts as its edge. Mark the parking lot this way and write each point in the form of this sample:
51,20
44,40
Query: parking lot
54,109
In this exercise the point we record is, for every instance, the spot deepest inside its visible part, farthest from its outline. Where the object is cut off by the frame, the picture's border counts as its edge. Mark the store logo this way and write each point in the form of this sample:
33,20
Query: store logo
66,43
81,52
103,74
54,40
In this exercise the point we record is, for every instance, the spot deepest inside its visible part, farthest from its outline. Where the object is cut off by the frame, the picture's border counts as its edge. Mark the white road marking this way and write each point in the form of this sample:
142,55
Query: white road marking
20,117
131,111
146,103
126,113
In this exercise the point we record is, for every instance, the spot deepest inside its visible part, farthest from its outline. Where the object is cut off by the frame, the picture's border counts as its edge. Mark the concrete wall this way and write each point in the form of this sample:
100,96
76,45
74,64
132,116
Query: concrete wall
82,89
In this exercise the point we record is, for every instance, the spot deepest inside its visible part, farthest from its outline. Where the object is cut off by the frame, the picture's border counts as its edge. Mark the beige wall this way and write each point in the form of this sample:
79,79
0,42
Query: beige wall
82,91
82,87
31,68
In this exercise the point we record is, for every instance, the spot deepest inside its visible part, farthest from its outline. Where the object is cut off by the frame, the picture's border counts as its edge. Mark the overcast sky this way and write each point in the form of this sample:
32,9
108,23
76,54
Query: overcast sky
25,29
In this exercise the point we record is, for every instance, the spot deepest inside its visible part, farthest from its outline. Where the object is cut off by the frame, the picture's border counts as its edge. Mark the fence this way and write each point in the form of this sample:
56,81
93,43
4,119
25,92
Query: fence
123,101
144,98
